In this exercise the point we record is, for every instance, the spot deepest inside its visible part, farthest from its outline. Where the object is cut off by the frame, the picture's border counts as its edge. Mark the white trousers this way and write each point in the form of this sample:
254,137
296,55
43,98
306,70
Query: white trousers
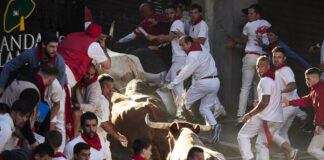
248,75
316,145
281,136
254,127
206,90
177,91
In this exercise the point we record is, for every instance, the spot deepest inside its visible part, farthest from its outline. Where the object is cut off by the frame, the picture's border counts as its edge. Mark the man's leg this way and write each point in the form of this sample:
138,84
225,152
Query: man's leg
248,72
262,151
248,131
316,145
280,137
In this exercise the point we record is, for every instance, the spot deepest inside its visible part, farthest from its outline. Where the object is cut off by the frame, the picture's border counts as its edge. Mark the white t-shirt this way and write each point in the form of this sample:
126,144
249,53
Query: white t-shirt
53,94
96,53
176,49
94,154
272,112
103,117
199,64
6,129
257,28
200,30
286,76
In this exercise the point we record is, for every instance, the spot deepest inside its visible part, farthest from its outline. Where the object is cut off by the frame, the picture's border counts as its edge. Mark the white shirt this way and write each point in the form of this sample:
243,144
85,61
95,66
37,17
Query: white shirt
286,76
104,117
53,94
200,30
94,154
96,53
199,64
89,97
6,129
272,112
176,49
253,30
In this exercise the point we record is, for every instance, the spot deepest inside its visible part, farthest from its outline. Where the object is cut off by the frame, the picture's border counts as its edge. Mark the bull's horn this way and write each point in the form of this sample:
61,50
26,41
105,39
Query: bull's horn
158,125
206,127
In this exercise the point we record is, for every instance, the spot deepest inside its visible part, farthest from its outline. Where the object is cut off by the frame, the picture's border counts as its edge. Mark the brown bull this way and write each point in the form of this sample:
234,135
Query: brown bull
127,117
182,136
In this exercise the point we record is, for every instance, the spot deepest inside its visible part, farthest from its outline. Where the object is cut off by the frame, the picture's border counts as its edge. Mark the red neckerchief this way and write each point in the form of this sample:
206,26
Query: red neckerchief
197,21
59,154
41,85
93,142
69,123
195,46
41,54
270,74
284,64
273,45
137,157
87,84
178,18
268,134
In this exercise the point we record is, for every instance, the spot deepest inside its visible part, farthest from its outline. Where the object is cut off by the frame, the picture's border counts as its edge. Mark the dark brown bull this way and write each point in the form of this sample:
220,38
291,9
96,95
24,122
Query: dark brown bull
182,136
127,117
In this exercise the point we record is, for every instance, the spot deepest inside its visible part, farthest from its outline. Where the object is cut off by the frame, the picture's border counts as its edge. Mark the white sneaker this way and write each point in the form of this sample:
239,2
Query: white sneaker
239,120
217,129
294,154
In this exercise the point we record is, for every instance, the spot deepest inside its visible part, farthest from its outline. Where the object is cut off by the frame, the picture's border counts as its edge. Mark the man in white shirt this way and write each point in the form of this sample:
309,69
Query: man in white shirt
86,96
199,32
89,124
201,65
198,29
253,30
265,119
81,151
178,55
17,117
289,91
107,85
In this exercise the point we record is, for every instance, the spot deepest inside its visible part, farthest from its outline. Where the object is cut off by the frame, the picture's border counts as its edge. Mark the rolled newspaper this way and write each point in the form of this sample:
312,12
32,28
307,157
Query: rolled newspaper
142,31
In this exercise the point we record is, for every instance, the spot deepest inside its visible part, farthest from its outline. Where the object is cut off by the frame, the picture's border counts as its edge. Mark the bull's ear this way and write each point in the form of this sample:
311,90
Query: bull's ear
174,127
197,129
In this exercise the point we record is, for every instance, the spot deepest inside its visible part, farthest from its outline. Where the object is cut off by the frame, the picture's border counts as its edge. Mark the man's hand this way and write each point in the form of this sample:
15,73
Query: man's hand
122,138
317,130
153,22
77,106
321,67
259,42
34,145
246,117
179,33
255,102
230,44
117,45
150,37
285,101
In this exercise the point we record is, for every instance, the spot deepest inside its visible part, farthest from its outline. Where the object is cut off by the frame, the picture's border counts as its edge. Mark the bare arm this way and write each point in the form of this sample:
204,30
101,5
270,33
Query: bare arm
259,108
290,87
109,129
55,109
162,38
